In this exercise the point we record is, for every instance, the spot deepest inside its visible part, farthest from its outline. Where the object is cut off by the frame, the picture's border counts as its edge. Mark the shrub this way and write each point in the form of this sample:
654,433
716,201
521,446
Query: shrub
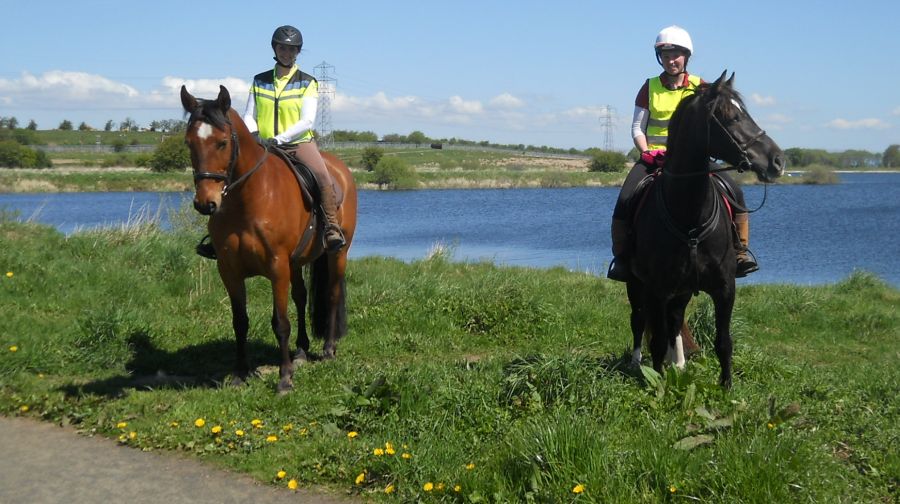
118,145
171,155
607,161
371,156
394,173
14,155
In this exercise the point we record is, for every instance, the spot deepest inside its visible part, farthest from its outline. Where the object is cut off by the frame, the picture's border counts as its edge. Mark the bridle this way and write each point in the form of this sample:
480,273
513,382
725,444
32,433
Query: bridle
228,176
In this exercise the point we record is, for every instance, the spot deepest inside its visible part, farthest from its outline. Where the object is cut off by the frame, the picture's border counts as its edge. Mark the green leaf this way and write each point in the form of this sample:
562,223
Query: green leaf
689,443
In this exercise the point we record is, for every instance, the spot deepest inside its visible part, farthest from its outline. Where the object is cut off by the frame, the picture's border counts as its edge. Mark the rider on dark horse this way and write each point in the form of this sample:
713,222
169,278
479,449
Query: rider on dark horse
653,107
281,109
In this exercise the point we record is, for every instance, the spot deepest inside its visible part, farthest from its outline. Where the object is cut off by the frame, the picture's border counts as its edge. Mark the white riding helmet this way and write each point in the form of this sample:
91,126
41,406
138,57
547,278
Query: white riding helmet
672,37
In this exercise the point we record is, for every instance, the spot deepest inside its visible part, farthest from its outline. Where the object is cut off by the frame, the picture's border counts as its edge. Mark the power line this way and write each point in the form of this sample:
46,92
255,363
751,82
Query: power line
327,84
607,118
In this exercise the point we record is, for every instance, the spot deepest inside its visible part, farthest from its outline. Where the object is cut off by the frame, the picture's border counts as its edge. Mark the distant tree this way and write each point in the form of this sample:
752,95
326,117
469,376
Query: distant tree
66,125
607,161
109,125
417,137
128,124
394,138
31,125
171,155
891,157
371,156
84,127
15,155
118,145
12,123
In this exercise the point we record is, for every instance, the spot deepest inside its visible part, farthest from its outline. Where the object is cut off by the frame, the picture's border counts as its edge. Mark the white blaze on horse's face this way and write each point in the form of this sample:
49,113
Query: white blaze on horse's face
204,131
736,104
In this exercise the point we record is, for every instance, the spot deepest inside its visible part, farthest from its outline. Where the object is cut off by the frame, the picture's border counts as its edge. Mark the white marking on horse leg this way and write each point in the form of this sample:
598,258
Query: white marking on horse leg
636,357
204,131
679,352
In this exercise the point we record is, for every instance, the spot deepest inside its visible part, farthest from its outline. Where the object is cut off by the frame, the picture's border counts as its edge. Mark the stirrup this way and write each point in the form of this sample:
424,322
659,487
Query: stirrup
205,249
746,265
619,270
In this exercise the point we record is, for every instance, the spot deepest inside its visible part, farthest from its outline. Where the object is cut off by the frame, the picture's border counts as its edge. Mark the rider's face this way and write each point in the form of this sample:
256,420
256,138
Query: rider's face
286,53
673,60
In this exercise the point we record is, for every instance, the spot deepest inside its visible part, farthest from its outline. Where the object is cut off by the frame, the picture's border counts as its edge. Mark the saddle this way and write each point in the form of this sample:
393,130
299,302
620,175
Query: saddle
642,191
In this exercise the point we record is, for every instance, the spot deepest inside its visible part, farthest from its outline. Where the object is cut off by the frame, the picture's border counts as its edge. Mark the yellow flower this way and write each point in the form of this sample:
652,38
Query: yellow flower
672,489
24,408
271,438
199,422
378,452
470,466
9,274
361,478
406,456
457,488
428,486
287,428
303,431
579,488
770,425
256,422
173,424
389,489
352,434
132,435
239,433
440,487
123,438
281,474
217,429
121,425
14,349
293,484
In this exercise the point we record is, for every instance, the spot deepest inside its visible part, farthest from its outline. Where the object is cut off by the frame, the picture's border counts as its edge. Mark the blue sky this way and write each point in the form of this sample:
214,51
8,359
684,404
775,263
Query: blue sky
814,74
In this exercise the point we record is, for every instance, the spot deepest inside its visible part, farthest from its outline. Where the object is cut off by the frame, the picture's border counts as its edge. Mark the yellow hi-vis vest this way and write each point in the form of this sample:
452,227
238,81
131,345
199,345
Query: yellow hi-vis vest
279,101
663,103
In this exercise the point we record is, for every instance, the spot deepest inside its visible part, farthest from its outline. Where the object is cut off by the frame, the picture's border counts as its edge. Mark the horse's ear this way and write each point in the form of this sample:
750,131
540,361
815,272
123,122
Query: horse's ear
187,99
224,99
731,80
717,85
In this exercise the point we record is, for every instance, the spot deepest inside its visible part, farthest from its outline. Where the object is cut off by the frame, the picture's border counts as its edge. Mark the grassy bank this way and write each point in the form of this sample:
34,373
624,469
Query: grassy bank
461,382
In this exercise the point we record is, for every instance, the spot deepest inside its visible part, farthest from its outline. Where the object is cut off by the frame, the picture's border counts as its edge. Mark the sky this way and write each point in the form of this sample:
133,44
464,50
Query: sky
814,74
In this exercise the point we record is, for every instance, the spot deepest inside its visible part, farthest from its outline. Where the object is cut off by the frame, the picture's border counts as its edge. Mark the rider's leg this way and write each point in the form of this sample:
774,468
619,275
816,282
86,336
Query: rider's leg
308,154
746,263
620,268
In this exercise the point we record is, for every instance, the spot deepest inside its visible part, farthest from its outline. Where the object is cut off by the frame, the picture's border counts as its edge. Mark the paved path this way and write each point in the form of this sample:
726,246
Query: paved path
41,463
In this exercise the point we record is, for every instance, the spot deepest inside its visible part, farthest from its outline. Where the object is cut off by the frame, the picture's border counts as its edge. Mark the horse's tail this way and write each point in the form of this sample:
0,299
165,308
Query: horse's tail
320,300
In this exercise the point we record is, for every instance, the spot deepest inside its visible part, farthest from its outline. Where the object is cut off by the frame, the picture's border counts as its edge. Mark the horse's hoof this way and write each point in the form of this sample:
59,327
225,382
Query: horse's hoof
300,358
284,387
328,355
238,381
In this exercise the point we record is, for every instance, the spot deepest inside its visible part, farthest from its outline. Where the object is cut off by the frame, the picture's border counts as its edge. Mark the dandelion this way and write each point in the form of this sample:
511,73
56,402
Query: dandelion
470,466
24,408
406,456
304,431
428,486
217,429
123,438
672,489
352,434
199,422
577,489
457,488
9,274
439,487
256,423
361,478
770,425
271,438
389,489
378,452
280,474
239,433
121,425
14,349
288,427
293,484
132,435
173,424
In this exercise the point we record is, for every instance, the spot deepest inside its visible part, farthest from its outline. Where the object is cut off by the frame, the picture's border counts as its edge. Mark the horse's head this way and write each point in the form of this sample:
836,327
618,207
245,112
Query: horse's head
734,136
213,143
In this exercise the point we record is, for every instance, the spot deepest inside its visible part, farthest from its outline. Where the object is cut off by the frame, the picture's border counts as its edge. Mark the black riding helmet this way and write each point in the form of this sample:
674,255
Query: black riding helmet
287,35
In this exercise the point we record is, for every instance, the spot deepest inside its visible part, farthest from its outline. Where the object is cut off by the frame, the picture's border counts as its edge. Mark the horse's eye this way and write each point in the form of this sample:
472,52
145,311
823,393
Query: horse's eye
221,144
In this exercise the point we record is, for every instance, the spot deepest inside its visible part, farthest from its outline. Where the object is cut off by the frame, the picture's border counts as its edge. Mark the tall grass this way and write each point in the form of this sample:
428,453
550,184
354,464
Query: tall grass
463,382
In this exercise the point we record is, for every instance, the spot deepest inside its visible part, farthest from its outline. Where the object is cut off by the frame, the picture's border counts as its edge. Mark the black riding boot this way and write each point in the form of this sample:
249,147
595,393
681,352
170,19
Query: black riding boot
746,263
620,267
205,248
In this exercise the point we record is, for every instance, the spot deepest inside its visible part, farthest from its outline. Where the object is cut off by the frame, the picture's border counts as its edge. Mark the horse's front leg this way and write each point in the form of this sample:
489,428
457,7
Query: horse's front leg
638,322
675,320
655,312
724,304
298,293
337,265
282,326
240,322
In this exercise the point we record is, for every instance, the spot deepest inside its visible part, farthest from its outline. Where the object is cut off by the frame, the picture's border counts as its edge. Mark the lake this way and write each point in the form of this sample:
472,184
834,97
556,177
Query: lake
804,234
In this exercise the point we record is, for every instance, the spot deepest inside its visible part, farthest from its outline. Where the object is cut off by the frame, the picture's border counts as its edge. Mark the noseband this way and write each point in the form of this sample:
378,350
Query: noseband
228,176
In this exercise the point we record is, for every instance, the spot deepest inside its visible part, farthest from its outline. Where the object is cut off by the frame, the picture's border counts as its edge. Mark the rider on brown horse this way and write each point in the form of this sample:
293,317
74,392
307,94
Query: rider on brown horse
281,110
654,105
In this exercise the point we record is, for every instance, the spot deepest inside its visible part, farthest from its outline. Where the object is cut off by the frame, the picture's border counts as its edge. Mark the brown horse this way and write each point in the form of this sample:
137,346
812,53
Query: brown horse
261,225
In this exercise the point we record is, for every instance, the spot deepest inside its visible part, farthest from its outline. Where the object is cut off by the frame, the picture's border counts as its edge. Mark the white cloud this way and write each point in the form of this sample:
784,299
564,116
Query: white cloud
762,101
506,101
870,123
896,111
779,119
460,106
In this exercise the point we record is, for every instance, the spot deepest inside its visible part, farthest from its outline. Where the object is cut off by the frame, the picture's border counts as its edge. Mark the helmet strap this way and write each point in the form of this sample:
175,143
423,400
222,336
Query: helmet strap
279,63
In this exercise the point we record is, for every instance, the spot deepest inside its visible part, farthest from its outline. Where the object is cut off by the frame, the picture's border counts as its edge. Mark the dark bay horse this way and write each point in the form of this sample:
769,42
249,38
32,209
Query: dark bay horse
261,225
684,241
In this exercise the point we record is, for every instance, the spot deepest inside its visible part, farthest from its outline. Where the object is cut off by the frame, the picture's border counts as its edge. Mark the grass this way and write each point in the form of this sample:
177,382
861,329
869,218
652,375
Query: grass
463,382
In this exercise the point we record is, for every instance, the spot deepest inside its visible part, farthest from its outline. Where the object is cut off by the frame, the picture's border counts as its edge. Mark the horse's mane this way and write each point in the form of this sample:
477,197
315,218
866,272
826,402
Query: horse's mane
209,111
728,104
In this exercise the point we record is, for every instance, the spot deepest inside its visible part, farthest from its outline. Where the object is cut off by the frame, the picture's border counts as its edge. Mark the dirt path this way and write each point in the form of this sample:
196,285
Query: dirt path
43,464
